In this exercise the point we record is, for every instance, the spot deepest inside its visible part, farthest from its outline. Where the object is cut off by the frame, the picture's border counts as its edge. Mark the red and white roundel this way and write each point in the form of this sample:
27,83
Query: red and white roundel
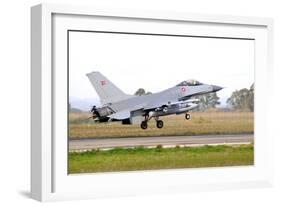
183,89
103,82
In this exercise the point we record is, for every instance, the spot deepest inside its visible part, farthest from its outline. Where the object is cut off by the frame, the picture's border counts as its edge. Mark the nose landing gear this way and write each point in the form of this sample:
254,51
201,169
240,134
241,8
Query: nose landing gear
187,116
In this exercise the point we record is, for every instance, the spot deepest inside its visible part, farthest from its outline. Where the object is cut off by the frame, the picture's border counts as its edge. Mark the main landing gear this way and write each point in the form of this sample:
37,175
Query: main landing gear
159,123
144,125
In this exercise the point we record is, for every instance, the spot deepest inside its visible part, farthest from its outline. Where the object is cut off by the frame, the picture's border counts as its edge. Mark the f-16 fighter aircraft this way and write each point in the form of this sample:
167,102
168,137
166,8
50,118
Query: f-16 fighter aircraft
130,109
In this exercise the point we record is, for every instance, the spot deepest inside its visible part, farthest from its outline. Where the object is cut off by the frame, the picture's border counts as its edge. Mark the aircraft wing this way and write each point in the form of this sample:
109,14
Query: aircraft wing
138,109
159,103
154,104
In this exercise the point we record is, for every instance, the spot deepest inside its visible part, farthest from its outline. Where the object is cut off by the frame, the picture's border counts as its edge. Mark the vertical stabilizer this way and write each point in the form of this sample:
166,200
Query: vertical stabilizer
107,91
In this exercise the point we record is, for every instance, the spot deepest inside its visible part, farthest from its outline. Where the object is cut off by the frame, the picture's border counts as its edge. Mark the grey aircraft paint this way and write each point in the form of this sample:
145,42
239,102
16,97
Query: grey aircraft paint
118,106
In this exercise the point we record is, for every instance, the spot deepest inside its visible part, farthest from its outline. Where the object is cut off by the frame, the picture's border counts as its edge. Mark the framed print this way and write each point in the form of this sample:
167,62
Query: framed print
136,102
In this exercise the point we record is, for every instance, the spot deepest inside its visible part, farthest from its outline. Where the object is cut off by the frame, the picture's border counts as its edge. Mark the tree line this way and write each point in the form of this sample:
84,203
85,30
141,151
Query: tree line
240,100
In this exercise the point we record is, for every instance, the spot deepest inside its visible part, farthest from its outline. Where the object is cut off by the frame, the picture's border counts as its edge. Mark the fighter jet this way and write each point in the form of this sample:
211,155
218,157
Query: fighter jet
131,109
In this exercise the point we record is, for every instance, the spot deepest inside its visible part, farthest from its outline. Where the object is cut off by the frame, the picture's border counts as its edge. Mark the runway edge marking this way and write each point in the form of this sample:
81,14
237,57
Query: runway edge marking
163,146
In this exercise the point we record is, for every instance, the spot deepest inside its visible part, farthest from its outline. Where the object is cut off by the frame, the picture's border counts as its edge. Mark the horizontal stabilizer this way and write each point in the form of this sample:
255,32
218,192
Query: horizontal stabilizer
120,115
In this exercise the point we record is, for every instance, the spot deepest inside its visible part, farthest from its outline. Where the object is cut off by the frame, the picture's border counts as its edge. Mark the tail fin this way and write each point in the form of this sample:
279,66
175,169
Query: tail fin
106,90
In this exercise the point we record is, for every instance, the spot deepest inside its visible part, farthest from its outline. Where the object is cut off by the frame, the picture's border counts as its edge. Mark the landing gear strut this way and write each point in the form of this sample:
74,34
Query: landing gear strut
144,123
187,116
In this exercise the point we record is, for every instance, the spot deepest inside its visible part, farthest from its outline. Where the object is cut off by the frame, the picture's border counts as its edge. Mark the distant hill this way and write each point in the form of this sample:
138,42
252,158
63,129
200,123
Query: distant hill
83,104
75,110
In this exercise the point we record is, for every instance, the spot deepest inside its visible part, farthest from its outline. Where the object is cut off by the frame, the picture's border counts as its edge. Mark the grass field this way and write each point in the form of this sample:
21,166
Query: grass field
201,123
160,158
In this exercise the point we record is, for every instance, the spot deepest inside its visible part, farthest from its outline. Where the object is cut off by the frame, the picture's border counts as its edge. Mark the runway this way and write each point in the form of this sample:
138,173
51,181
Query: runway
165,141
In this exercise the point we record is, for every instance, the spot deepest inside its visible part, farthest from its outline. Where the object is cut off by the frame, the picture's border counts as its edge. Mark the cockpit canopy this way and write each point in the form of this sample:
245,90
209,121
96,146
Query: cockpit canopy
190,82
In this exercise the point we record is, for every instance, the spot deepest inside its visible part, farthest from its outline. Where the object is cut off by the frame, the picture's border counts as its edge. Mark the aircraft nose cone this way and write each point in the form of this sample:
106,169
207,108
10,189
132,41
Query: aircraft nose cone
216,88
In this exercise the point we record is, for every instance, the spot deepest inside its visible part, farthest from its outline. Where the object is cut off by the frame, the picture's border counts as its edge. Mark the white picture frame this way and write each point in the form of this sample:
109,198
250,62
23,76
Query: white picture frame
49,178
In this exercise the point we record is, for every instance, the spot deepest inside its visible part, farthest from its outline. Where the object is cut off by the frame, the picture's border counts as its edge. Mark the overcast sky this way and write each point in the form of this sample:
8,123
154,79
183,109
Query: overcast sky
158,62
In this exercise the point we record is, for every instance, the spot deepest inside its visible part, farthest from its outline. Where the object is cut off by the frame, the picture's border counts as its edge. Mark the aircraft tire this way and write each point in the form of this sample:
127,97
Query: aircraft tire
159,124
187,116
144,125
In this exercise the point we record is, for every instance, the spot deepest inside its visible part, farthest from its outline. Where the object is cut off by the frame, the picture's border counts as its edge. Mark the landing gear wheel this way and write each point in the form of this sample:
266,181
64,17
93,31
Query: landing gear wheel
144,125
159,124
187,116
